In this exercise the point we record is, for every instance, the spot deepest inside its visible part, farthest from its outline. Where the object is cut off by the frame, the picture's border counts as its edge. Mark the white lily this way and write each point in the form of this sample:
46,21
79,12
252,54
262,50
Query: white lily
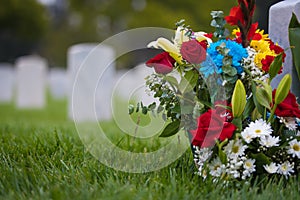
167,46
180,36
173,48
200,36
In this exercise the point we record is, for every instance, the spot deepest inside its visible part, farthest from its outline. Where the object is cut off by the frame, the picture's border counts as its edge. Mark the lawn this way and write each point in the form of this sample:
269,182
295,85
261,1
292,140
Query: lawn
43,157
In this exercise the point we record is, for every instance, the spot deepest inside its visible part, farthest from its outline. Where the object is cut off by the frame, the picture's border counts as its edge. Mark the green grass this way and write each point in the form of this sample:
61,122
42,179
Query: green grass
42,157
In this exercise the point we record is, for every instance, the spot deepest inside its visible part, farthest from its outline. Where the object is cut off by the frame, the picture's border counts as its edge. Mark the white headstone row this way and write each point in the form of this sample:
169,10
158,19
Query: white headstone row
279,19
27,82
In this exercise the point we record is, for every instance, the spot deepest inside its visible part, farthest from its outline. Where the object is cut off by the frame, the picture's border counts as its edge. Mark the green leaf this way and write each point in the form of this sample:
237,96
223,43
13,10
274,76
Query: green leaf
152,106
294,37
171,129
263,97
255,114
188,82
130,109
231,71
260,160
173,81
259,108
222,156
144,110
275,66
238,100
249,108
238,123
187,109
160,109
283,89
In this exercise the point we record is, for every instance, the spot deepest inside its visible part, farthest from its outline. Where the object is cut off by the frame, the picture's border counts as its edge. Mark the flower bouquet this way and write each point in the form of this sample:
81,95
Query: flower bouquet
217,88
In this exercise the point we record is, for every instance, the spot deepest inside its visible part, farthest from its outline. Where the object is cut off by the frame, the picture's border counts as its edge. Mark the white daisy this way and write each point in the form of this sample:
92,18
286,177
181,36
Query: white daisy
259,128
294,148
247,136
269,141
235,148
271,168
216,167
286,169
249,168
249,165
289,122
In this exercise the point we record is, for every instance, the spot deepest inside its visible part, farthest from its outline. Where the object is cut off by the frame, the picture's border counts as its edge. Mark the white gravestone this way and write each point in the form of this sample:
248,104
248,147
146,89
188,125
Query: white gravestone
279,19
57,81
91,74
130,85
7,76
31,72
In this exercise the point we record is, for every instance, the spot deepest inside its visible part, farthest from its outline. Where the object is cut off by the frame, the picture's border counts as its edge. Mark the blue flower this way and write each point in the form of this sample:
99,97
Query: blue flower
236,51
208,67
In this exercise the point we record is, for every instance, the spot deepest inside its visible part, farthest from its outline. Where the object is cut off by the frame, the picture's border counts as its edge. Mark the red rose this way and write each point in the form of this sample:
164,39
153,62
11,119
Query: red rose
162,63
289,107
211,126
193,51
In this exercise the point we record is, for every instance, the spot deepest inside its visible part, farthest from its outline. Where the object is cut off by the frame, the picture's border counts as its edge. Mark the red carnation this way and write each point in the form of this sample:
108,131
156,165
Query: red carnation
266,62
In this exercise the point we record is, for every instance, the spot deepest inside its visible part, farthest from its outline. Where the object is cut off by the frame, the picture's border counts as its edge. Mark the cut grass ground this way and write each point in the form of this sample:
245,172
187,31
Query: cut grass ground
42,157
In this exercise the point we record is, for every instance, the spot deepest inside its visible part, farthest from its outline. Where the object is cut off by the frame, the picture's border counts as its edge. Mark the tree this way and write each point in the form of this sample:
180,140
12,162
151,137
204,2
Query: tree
22,25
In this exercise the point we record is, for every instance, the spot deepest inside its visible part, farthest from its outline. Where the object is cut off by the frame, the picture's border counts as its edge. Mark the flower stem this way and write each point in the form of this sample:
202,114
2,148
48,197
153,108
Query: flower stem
270,120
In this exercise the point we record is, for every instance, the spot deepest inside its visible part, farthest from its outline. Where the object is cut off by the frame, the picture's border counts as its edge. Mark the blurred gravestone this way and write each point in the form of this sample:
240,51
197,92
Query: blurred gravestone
57,81
279,19
6,82
31,82
91,74
130,84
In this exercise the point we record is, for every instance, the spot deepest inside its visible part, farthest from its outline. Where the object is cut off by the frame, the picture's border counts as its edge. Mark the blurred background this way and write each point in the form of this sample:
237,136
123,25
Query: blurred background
49,27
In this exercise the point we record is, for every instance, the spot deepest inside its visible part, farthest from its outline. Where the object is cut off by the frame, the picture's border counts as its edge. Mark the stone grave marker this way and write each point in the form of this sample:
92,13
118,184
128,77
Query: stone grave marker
130,84
279,19
91,79
31,81
7,76
57,82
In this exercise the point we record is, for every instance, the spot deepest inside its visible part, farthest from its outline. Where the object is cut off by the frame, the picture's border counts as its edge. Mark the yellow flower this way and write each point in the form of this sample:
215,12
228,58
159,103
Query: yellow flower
261,55
260,45
261,32
235,31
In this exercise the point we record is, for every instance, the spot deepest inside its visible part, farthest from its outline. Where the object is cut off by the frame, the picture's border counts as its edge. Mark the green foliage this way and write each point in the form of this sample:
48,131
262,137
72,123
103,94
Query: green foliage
23,25
48,161
275,66
218,22
171,129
